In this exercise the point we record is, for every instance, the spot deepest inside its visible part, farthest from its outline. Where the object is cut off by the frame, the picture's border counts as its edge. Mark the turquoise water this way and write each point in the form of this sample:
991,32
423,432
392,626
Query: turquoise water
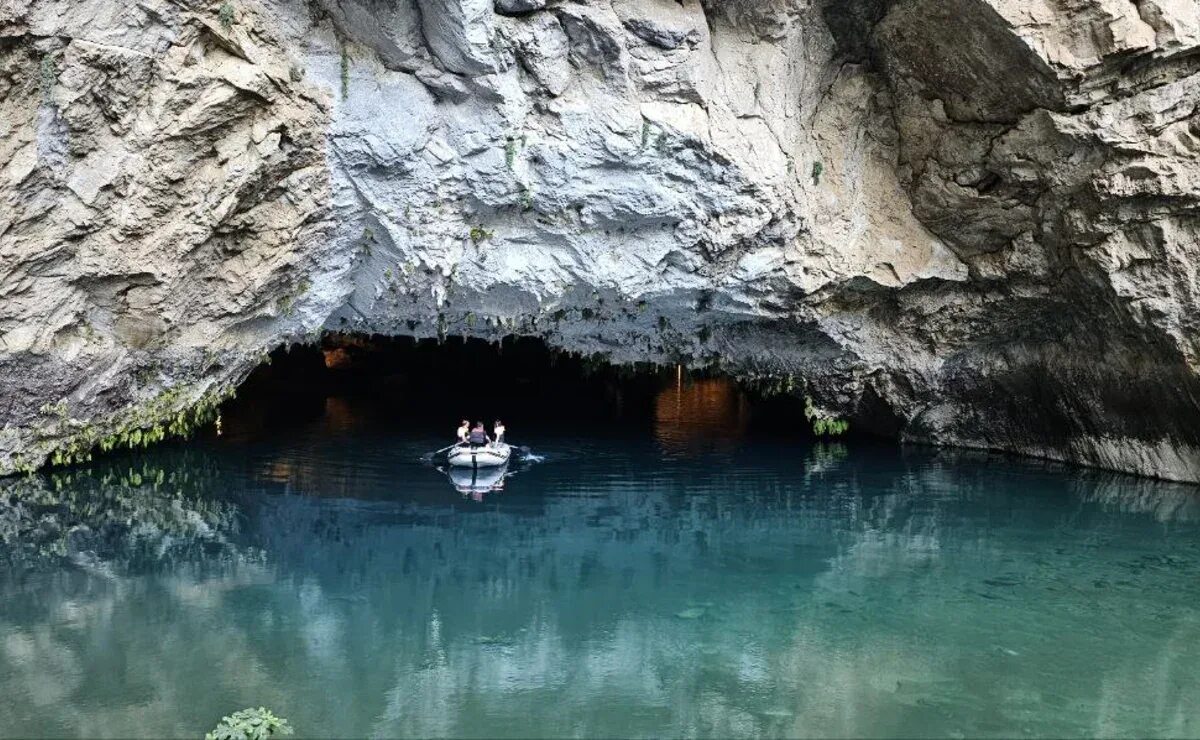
663,580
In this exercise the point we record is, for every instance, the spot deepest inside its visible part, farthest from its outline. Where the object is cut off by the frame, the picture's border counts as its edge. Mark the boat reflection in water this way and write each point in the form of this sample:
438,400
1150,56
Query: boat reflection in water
475,482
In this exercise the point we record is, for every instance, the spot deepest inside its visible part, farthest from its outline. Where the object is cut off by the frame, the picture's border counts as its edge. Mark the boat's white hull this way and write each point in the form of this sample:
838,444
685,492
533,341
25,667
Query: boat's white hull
490,456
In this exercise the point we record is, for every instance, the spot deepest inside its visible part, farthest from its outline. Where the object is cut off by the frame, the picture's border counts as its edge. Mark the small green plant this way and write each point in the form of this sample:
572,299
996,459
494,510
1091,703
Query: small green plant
645,134
58,410
830,427
287,304
250,724
510,152
770,385
822,424
295,73
526,199
817,169
479,234
47,76
345,73
225,15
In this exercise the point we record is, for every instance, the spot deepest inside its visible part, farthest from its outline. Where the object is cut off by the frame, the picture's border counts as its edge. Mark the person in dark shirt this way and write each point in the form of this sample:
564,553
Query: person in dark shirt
478,437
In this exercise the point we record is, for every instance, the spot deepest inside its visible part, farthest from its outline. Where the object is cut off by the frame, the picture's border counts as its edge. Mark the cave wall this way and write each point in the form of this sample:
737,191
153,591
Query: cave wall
977,215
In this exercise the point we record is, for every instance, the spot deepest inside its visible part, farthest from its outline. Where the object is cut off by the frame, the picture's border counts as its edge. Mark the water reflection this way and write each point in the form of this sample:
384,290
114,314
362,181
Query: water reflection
475,482
1113,491
611,591
116,517
694,414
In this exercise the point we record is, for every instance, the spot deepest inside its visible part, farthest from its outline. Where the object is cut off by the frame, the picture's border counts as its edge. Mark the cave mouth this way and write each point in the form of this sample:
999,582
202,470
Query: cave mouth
363,382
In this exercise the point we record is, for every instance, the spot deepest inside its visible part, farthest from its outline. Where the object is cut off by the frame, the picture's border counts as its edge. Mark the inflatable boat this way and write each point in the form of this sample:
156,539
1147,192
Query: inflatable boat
487,456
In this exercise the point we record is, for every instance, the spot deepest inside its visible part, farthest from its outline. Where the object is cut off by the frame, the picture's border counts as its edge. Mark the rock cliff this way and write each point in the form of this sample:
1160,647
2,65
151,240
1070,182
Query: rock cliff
965,222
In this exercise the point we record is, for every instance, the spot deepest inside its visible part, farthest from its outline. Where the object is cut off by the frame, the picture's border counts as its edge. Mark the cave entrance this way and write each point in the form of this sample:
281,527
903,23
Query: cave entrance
358,382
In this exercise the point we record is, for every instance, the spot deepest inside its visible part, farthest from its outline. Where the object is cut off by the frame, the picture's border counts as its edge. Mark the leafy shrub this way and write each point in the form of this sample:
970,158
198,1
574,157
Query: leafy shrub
817,169
225,15
823,425
250,724
830,427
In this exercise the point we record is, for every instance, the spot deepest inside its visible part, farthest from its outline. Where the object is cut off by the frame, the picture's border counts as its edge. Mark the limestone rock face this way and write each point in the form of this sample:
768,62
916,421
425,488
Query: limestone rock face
163,201
967,222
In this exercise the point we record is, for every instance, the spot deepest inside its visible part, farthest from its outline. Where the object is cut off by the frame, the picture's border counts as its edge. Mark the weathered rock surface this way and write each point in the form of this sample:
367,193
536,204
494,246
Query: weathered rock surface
967,222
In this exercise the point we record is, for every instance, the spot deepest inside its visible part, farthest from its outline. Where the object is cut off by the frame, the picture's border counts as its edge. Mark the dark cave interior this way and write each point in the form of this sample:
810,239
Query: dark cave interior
402,381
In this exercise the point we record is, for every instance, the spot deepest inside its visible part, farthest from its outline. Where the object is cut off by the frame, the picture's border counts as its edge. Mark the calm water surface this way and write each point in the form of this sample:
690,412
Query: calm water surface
677,579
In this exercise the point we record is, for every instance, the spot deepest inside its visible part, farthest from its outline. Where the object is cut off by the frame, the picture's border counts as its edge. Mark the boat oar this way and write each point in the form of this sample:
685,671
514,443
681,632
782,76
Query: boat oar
431,455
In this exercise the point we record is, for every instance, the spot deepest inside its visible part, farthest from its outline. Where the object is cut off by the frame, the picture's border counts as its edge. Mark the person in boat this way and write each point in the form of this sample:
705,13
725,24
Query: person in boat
464,429
498,431
477,436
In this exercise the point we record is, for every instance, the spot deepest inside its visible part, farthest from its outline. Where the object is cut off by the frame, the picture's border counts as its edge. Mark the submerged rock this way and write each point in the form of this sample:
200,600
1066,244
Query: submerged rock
967,223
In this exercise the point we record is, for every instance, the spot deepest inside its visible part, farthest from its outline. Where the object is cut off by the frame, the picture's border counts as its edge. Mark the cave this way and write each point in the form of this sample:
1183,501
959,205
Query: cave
371,382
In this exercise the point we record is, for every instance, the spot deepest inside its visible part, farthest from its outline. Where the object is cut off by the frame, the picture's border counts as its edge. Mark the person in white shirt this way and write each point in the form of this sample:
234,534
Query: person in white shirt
498,431
463,430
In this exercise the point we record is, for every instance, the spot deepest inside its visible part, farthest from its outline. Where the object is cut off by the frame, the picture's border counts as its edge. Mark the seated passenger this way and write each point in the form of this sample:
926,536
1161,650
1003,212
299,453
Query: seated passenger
478,437
463,430
498,431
